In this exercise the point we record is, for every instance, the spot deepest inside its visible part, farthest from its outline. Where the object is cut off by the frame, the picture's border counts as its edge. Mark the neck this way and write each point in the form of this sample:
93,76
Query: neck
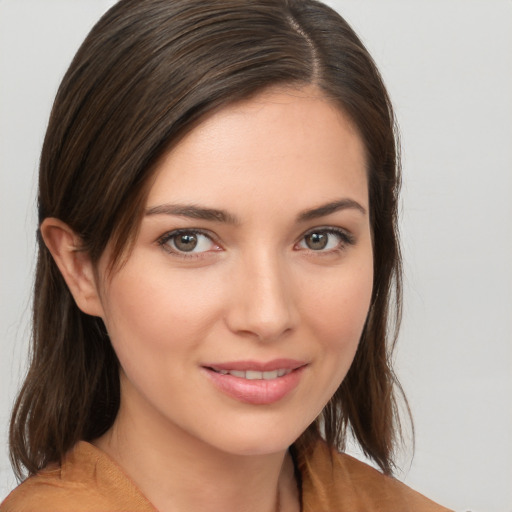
179,472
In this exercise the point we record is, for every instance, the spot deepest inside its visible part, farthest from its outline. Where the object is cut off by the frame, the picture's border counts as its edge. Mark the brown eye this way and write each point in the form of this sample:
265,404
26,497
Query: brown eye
185,242
327,239
316,241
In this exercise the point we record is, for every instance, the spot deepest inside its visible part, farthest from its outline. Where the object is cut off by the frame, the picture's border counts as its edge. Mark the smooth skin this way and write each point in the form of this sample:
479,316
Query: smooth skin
273,259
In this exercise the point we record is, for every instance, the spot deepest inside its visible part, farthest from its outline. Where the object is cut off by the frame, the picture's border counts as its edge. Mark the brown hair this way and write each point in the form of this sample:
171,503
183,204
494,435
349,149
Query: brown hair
147,73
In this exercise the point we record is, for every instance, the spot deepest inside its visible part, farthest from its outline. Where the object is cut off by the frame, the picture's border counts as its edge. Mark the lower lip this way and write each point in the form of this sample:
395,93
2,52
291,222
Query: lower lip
258,391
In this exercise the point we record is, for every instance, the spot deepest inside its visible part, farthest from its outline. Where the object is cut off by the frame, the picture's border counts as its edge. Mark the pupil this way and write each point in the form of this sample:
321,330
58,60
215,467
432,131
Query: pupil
316,241
186,242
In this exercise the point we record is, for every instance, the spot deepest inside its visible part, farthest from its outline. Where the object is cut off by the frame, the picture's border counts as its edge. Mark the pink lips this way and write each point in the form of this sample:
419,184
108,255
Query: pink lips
257,391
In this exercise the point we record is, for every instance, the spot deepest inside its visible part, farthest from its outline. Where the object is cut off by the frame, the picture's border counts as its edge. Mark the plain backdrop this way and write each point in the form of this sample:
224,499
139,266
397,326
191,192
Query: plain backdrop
448,67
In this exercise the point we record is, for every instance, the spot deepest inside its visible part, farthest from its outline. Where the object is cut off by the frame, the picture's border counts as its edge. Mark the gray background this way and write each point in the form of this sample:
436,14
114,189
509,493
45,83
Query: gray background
448,66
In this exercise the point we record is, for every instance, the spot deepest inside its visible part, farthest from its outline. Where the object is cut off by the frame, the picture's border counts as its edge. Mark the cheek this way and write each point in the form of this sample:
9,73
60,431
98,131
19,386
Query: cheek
338,309
158,312
334,314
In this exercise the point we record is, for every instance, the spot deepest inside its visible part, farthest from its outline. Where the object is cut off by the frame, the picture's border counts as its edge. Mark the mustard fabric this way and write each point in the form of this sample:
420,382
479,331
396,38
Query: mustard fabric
88,480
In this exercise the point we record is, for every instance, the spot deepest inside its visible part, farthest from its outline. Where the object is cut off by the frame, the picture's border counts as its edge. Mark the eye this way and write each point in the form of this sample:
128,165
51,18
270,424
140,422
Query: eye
325,240
187,242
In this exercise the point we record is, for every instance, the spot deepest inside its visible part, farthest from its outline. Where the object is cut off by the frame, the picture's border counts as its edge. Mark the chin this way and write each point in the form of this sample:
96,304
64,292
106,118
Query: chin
257,441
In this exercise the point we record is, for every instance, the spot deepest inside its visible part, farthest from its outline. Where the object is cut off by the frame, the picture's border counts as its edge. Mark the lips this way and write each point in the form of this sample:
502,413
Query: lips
260,366
254,374
255,382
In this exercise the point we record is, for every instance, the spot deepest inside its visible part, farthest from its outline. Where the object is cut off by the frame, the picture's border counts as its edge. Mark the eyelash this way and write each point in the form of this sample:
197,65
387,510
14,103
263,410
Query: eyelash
345,239
163,242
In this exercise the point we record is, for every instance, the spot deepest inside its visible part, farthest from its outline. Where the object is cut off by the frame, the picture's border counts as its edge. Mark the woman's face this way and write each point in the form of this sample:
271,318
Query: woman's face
239,311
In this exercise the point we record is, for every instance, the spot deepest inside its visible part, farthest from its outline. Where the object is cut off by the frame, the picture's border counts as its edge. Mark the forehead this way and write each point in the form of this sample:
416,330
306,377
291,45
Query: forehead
283,145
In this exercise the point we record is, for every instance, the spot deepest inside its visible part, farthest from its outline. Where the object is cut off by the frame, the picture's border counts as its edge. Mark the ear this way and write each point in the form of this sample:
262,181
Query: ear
74,264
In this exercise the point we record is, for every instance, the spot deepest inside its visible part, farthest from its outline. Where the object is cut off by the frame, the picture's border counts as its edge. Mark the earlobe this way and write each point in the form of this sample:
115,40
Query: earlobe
74,264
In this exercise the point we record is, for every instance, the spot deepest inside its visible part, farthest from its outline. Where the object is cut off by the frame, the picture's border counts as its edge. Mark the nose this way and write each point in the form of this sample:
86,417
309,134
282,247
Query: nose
263,302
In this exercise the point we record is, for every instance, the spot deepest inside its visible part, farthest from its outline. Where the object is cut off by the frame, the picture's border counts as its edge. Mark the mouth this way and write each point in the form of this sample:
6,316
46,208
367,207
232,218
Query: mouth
253,374
257,370
256,383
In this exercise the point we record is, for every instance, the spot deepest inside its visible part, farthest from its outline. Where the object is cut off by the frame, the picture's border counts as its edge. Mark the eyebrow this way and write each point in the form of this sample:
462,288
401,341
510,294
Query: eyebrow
213,214
332,207
193,212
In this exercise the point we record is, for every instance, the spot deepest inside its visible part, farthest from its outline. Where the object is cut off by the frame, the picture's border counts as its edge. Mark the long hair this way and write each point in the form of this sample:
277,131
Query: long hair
147,73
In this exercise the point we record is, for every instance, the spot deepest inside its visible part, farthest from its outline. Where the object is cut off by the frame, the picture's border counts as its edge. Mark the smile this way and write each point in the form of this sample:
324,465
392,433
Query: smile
254,374
256,383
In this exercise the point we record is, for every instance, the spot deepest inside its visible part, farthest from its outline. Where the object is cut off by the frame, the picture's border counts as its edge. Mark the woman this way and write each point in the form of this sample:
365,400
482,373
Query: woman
218,264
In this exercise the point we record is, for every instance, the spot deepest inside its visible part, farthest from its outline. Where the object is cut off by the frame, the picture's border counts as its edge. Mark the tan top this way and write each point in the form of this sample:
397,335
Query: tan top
88,480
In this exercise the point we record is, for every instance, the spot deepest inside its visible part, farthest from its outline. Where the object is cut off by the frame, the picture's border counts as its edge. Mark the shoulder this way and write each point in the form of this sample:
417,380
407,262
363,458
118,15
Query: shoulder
336,481
86,480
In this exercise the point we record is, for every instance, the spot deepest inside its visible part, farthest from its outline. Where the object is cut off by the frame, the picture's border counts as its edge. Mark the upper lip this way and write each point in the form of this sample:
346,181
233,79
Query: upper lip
259,366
